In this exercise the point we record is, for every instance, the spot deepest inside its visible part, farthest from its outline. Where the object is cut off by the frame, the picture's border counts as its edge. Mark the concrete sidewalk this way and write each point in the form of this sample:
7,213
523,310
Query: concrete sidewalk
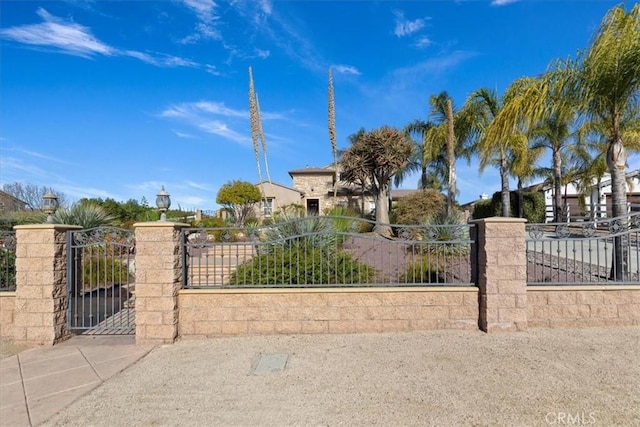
37,383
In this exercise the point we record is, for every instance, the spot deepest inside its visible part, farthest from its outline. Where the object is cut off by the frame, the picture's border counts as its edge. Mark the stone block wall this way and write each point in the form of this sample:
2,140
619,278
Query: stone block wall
7,314
158,280
583,306
211,313
502,274
41,284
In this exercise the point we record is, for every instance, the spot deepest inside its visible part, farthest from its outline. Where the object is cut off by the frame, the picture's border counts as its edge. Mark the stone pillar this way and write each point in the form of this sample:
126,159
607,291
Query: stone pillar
41,283
158,281
502,274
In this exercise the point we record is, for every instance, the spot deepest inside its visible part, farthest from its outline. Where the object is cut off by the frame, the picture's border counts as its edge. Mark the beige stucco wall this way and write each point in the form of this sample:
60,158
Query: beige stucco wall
7,311
579,306
320,186
210,313
283,196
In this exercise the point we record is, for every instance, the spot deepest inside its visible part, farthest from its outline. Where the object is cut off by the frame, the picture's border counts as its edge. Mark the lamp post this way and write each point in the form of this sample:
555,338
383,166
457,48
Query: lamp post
163,202
49,205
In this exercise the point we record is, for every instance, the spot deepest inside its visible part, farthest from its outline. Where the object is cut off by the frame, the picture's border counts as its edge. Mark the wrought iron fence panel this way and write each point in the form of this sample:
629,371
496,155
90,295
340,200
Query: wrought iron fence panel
101,280
329,252
7,261
603,251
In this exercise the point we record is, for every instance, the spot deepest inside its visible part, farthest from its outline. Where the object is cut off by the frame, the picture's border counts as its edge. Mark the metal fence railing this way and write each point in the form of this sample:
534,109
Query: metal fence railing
7,261
603,251
329,252
101,280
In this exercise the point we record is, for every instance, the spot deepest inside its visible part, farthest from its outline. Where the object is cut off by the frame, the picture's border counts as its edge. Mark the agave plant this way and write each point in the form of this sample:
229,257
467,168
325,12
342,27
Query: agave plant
84,215
309,232
449,232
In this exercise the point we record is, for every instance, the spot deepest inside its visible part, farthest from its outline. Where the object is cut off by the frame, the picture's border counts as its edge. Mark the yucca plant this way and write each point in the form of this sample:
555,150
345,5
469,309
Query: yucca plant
449,234
84,215
292,231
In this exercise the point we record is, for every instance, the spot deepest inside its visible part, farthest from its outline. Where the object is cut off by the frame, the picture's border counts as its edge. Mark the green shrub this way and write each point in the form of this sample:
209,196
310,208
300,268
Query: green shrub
418,207
104,271
533,206
210,222
483,209
423,270
302,266
7,269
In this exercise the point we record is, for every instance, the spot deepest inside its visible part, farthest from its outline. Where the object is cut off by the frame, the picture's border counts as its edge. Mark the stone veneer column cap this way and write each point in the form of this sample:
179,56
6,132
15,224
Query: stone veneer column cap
59,227
161,224
499,219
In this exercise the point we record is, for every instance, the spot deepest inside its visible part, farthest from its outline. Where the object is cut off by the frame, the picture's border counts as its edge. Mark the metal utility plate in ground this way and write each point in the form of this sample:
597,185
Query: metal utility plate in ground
269,364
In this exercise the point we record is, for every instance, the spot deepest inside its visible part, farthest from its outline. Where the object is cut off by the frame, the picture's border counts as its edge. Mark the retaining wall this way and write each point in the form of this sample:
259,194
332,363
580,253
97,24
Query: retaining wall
209,313
579,306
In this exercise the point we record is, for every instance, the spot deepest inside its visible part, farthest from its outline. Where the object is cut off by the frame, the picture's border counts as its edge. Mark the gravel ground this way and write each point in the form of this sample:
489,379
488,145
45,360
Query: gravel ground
542,377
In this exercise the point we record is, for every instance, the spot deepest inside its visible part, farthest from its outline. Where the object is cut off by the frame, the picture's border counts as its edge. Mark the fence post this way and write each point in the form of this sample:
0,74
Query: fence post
41,283
502,274
158,281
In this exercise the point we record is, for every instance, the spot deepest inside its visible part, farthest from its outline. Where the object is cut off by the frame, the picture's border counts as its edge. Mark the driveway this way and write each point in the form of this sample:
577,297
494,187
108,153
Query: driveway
445,378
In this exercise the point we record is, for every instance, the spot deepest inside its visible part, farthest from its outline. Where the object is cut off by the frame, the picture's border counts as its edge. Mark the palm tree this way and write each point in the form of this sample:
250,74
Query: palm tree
523,168
609,85
450,136
501,130
426,157
553,132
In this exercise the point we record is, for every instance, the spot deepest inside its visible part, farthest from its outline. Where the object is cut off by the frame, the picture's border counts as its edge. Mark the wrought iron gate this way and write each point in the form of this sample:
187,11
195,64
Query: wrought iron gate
101,281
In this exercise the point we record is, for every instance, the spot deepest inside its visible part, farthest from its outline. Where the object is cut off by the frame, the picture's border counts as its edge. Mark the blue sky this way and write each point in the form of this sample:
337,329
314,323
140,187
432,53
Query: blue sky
116,98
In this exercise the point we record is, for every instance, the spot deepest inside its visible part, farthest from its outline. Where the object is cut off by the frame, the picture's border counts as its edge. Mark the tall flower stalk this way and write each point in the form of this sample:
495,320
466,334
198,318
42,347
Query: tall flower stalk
263,140
255,123
332,133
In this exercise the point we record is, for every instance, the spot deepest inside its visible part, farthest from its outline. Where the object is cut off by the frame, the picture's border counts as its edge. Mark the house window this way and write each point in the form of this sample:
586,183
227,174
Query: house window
267,207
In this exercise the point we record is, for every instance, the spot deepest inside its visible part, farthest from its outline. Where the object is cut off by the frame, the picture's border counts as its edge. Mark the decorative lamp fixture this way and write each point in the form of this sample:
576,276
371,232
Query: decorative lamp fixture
163,202
49,205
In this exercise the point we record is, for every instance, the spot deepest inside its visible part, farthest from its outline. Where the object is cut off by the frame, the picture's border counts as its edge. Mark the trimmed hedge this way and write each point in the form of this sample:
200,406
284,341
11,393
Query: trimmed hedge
533,206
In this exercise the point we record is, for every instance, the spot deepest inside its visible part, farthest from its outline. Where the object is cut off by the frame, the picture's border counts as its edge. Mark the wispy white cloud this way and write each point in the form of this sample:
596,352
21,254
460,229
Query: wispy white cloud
204,9
199,186
262,53
70,37
11,165
406,27
215,118
74,39
204,116
183,135
194,108
502,2
346,69
423,41
431,66
205,28
266,6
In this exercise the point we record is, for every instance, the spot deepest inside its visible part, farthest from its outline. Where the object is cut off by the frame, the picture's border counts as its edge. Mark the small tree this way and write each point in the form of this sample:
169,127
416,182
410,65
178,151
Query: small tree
239,198
377,156
419,207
